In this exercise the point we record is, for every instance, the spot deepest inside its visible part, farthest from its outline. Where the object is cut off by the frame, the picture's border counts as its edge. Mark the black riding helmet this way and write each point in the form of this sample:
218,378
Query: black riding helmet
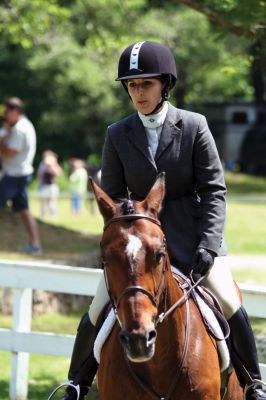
148,60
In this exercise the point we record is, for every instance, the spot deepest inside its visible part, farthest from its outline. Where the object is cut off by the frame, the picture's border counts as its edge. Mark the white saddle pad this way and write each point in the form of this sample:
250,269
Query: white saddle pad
103,334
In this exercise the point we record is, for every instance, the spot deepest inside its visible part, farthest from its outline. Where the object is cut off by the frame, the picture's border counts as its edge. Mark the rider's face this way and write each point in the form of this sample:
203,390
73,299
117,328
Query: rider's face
145,93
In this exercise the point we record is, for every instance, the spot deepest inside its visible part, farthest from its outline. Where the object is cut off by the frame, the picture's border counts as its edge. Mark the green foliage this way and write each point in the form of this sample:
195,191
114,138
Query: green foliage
61,58
21,21
246,13
244,18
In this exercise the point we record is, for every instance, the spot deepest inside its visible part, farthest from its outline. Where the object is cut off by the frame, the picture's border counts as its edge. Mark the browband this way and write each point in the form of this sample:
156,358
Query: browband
129,217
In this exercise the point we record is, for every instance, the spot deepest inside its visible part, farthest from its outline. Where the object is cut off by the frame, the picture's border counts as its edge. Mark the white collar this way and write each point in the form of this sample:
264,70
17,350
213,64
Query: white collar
154,120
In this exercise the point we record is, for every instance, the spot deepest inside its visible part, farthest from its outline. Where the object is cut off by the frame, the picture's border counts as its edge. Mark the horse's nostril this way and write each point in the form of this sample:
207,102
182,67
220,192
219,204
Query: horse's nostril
151,336
124,337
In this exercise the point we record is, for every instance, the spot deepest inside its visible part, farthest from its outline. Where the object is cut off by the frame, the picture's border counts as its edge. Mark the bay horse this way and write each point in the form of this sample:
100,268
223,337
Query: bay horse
153,352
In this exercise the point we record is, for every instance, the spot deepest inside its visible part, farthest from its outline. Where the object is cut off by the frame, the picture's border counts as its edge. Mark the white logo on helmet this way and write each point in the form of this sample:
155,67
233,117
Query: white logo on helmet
134,56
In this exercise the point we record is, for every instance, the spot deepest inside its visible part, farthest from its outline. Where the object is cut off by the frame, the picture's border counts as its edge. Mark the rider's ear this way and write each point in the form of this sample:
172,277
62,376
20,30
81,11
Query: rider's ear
106,205
154,199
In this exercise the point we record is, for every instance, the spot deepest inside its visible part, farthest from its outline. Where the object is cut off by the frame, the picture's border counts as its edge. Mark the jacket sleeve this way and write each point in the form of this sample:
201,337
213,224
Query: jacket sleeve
112,174
210,186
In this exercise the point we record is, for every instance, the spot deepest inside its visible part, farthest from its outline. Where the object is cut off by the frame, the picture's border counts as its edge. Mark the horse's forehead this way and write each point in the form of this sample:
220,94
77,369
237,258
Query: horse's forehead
133,246
131,242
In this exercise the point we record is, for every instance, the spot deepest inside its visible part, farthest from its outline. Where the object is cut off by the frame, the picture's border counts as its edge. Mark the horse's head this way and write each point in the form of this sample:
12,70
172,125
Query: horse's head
134,258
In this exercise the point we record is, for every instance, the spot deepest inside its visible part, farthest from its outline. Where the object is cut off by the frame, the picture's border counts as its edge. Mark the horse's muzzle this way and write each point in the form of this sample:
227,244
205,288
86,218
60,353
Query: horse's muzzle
138,346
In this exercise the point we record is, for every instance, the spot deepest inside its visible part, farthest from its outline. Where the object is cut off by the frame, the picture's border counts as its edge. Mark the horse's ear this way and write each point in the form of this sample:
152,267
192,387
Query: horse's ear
106,205
154,199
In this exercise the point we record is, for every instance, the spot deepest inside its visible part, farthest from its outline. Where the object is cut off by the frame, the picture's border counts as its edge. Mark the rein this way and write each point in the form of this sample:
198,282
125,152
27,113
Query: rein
183,298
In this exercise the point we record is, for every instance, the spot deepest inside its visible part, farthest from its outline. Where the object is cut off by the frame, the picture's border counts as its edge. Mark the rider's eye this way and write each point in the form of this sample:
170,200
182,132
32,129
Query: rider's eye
147,84
159,256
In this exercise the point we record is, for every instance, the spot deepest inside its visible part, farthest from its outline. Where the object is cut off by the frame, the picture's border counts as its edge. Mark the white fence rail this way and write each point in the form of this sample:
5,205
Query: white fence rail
27,276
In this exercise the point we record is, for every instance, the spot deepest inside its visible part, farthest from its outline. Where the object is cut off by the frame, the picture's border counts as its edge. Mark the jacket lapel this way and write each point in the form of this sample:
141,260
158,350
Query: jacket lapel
171,131
137,136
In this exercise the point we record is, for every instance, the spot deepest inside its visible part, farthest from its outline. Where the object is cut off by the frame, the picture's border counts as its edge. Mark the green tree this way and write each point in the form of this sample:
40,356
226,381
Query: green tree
243,18
65,68
22,21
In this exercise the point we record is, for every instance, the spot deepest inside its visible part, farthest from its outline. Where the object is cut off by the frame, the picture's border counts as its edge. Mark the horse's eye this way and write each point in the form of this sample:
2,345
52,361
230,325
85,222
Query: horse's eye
159,256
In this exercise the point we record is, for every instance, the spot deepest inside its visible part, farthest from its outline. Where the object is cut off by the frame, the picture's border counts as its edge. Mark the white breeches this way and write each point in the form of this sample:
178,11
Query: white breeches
100,299
219,281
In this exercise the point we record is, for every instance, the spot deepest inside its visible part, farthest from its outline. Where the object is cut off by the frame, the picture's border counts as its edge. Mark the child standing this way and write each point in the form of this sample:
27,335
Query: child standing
78,183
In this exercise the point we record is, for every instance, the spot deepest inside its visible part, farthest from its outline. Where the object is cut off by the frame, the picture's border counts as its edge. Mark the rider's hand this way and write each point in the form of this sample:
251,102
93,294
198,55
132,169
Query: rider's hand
203,261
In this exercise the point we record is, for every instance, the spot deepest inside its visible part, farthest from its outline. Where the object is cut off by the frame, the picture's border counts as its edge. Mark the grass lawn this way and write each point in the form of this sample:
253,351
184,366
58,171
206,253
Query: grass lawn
245,230
65,236
88,222
45,374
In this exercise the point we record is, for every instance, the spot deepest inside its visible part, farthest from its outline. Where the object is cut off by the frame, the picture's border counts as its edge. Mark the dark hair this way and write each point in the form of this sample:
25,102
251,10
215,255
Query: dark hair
14,103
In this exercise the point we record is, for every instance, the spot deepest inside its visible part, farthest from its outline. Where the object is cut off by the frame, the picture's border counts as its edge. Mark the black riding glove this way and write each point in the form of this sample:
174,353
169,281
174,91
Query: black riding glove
204,260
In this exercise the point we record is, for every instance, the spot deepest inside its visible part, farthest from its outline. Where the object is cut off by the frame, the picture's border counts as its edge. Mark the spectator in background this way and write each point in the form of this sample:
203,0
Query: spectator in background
48,171
78,184
17,153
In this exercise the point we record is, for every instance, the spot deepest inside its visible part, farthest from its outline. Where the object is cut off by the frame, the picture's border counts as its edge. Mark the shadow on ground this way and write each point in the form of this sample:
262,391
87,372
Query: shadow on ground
59,244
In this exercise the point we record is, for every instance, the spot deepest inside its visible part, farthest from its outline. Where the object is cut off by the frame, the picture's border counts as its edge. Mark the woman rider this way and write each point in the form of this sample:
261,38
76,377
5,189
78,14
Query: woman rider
159,137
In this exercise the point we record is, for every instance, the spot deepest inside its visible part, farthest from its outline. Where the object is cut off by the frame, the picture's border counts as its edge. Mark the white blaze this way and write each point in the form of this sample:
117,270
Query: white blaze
133,246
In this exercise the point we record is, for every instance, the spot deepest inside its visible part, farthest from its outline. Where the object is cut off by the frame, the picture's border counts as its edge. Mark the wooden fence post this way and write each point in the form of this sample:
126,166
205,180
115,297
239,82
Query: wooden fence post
22,313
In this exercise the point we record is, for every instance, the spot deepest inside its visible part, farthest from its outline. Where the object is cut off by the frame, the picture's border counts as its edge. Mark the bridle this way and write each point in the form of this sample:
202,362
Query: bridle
155,298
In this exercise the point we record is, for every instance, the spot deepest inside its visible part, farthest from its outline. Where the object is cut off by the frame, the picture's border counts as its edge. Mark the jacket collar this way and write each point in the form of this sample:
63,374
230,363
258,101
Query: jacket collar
171,128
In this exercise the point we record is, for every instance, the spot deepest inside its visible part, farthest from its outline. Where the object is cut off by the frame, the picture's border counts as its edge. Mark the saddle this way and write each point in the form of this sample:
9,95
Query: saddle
201,293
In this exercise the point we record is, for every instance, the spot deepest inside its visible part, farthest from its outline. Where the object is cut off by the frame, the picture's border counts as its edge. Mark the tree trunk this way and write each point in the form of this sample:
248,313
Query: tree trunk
257,71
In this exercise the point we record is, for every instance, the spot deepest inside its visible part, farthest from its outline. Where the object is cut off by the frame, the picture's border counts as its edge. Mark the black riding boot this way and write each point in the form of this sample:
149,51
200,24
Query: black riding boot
244,354
83,366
